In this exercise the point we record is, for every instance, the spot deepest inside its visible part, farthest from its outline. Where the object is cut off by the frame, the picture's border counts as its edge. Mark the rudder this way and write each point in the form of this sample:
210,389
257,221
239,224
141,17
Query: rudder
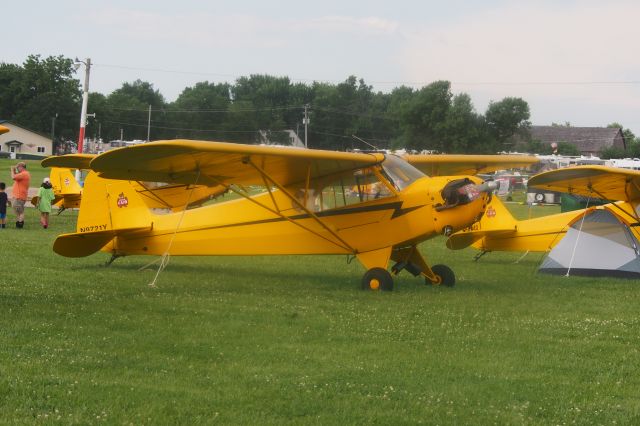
111,205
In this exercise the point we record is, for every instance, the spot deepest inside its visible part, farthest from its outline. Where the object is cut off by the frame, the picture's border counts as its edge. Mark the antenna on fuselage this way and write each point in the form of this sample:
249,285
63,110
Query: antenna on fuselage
363,141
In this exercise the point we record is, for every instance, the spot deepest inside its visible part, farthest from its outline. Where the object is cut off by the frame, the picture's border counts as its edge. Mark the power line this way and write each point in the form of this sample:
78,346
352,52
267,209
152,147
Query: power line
120,123
200,130
398,82
169,110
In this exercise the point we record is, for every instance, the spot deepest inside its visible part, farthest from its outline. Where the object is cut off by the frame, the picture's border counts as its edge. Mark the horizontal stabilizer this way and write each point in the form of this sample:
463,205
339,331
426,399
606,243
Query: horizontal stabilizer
461,240
81,244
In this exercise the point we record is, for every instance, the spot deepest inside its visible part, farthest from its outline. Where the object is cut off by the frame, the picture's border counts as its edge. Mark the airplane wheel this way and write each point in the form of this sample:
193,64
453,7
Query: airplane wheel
446,275
377,279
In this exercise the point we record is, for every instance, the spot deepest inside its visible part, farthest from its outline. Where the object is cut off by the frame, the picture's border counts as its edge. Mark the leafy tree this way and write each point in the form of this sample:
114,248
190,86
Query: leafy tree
127,112
201,112
423,115
430,118
97,104
613,152
462,130
506,119
40,91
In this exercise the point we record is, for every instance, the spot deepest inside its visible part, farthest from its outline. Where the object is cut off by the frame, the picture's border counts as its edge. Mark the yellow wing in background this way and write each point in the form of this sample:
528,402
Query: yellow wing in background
174,197
459,164
69,161
210,163
609,183
3,129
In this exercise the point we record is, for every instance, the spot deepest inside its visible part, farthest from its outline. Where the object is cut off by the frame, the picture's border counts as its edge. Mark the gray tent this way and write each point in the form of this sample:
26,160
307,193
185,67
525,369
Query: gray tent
601,245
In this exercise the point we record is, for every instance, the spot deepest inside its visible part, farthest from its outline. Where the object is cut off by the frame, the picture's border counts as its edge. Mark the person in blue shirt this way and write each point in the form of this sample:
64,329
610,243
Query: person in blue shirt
3,205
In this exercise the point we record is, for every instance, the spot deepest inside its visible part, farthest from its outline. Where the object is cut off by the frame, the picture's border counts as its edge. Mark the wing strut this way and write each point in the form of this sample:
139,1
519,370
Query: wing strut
154,195
266,176
633,216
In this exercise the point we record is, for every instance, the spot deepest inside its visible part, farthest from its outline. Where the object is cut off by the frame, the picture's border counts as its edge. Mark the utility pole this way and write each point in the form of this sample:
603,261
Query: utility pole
85,100
149,124
305,121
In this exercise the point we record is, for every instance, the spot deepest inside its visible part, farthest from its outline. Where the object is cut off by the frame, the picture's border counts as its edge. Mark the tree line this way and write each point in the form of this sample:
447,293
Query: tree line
44,95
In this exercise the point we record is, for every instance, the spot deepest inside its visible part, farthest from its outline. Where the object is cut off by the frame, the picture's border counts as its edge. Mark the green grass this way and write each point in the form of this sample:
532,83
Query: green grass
292,340
36,171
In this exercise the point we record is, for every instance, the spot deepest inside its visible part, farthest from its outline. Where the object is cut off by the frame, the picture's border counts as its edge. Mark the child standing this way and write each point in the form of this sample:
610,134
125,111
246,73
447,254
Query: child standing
3,205
45,197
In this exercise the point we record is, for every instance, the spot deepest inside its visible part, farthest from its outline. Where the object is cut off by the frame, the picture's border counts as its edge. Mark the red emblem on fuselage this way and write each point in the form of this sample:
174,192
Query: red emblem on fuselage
66,182
491,212
122,200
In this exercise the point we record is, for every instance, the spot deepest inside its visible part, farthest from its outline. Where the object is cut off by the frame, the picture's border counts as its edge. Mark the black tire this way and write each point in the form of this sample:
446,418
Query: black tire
539,197
377,279
447,277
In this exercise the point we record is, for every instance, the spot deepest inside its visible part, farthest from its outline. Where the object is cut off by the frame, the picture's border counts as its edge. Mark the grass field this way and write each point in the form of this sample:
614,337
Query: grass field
292,340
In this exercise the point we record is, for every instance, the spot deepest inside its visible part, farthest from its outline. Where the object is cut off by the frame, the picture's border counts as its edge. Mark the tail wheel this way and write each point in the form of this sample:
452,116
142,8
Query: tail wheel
377,279
446,275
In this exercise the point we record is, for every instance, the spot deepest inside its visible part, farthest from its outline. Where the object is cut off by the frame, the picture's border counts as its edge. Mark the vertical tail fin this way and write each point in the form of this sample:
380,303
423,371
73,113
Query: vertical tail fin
497,217
496,220
108,208
111,205
64,182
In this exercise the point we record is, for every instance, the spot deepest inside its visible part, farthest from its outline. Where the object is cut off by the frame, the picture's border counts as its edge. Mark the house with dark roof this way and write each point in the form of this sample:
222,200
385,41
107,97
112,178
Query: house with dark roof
590,141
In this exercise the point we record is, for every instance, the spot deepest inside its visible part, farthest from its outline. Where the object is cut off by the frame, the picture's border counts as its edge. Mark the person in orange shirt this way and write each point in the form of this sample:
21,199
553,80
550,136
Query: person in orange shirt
21,179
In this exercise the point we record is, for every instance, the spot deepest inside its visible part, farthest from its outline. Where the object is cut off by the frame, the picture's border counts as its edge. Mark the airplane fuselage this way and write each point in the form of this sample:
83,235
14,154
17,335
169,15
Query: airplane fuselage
272,223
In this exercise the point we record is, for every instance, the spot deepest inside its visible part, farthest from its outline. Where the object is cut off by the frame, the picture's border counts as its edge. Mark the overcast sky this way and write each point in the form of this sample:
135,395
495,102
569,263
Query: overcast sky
573,61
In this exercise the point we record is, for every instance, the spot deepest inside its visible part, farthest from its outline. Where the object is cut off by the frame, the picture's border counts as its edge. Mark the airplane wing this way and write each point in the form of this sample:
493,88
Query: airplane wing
69,161
3,129
609,183
454,165
210,163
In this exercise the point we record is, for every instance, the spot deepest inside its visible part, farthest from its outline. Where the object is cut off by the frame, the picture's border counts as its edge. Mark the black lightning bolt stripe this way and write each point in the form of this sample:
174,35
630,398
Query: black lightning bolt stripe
396,206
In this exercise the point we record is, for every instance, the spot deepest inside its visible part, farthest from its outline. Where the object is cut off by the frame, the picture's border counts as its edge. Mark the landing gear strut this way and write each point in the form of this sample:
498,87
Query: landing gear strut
409,258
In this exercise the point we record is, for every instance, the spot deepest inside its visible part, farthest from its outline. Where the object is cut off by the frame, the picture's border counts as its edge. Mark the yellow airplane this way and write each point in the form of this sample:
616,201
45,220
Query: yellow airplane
306,205
499,231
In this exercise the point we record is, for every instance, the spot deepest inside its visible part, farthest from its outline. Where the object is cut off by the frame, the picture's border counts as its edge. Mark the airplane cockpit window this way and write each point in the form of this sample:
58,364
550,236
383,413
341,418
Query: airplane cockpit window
401,173
352,188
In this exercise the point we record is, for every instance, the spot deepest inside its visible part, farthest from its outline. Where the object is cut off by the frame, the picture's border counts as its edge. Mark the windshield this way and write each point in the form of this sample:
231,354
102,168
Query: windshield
401,173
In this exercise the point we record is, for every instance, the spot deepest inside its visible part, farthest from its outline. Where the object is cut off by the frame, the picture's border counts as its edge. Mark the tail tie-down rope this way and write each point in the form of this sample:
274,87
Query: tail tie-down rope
166,256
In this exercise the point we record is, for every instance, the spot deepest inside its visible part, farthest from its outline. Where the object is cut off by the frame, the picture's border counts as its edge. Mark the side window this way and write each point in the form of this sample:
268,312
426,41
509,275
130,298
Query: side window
349,189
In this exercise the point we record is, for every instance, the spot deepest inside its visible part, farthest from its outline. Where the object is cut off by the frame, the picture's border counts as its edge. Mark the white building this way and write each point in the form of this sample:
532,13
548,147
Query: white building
21,142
